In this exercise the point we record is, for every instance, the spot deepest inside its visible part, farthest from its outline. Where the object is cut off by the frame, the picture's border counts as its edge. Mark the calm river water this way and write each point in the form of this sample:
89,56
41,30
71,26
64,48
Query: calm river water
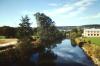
61,54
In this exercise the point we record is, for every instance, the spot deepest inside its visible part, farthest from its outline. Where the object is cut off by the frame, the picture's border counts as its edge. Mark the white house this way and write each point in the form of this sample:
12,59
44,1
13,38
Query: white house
93,32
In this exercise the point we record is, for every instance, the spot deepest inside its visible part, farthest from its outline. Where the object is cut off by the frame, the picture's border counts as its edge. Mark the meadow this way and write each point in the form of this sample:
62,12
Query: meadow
93,40
2,37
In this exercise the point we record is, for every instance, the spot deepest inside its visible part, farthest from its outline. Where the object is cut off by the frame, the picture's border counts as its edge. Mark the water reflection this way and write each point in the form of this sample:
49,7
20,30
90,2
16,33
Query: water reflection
73,43
46,58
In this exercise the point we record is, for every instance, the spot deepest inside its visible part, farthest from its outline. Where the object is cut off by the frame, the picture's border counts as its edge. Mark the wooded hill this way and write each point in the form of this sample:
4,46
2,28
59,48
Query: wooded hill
82,26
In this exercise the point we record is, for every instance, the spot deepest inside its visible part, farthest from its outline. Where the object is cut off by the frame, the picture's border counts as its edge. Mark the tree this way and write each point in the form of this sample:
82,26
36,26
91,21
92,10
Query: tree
76,32
43,23
24,45
46,28
25,32
43,20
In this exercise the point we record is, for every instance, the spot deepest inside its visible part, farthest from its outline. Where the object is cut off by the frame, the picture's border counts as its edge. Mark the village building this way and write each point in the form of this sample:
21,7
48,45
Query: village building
93,32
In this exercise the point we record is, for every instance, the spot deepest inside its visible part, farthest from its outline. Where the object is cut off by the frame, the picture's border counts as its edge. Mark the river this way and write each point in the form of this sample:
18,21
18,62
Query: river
61,54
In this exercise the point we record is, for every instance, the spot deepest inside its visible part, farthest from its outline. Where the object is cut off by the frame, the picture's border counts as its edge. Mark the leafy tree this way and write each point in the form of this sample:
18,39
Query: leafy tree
76,32
25,32
46,28
44,23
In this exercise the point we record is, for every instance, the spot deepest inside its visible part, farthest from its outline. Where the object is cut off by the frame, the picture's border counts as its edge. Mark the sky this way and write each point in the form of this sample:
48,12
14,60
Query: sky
63,12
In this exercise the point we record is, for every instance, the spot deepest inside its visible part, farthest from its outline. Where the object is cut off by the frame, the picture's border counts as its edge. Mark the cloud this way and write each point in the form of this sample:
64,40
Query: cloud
53,4
72,9
78,11
84,2
96,16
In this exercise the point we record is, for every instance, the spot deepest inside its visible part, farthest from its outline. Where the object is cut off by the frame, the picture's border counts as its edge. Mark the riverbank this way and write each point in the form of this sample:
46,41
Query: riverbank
92,50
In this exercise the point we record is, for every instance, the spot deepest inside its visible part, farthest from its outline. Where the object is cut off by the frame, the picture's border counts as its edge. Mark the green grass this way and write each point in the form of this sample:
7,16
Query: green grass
94,40
2,37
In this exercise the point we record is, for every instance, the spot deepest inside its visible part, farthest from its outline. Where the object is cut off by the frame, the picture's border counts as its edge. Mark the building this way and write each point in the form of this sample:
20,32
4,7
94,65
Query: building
93,32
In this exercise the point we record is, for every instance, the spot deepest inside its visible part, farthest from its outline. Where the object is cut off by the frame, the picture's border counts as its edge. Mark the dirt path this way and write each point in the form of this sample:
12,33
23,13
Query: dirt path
7,42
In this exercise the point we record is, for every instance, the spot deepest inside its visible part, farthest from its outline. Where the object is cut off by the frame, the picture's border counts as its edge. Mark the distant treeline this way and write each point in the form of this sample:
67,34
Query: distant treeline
82,26
91,26
10,32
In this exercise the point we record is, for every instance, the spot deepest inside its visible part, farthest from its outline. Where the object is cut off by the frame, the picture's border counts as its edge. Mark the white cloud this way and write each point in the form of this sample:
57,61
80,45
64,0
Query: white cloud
78,11
73,9
96,16
53,4
84,2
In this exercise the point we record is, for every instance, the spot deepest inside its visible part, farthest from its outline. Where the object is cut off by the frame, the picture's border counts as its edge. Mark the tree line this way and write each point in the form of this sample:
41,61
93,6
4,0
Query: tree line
9,32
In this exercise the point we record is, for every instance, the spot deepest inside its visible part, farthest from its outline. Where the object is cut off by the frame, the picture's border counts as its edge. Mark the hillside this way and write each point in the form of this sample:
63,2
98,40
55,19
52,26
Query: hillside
82,26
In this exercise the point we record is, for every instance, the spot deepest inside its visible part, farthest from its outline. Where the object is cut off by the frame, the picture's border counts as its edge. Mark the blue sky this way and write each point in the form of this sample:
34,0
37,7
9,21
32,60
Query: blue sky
63,12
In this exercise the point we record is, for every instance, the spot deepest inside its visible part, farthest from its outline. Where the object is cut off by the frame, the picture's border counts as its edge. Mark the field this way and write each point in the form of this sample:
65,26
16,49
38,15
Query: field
3,41
2,37
94,40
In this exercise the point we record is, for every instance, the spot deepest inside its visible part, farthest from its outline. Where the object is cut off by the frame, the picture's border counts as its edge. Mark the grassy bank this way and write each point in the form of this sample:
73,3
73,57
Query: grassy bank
93,40
91,47
93,51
